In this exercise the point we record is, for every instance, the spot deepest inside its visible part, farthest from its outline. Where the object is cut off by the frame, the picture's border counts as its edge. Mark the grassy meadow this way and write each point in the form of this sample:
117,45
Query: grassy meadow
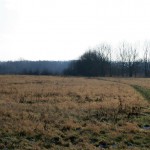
45,112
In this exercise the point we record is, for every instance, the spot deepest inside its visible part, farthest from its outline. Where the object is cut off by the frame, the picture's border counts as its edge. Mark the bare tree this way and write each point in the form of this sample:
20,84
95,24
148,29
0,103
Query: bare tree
123,57
146,58
135,61
104,50
131,59
128,57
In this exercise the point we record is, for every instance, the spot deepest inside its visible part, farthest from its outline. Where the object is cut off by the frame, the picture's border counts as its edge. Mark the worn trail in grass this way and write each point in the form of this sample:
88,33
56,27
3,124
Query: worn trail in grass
142,86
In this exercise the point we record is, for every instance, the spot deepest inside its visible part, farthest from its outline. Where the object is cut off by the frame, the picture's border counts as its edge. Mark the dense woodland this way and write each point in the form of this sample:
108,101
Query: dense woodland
95,62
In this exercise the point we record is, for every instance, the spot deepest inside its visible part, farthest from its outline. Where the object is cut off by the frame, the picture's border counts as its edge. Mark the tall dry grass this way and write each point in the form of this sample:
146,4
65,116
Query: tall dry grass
42,112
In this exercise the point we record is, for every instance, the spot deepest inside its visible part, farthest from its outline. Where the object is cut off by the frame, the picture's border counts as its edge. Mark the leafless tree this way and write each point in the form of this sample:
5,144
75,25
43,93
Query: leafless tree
131,59
128,56
123,57
105,50
146,58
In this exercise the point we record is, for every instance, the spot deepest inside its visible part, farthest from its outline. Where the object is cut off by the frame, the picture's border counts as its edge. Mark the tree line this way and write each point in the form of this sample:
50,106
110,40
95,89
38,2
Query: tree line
25,67
98,62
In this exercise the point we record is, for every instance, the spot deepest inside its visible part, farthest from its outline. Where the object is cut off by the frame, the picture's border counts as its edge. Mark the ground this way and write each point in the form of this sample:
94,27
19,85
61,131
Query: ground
44,112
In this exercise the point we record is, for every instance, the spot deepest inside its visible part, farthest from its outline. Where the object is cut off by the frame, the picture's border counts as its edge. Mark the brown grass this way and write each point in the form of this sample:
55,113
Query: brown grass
39,112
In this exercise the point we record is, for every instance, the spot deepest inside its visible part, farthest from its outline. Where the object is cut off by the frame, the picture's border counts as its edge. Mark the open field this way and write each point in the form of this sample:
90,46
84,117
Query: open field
43,112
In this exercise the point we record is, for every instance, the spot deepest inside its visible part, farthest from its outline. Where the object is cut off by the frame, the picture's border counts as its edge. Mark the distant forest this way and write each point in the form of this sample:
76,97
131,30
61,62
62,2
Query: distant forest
94,62
33,67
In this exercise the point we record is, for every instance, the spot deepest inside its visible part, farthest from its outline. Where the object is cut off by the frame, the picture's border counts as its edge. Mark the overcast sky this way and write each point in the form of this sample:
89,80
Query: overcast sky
65,29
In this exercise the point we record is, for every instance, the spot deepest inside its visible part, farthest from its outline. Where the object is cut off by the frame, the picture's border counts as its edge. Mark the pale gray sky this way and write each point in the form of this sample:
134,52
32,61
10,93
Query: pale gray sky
64,29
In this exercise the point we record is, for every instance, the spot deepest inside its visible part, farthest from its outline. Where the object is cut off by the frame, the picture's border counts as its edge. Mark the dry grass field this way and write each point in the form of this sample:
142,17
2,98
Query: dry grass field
43,112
